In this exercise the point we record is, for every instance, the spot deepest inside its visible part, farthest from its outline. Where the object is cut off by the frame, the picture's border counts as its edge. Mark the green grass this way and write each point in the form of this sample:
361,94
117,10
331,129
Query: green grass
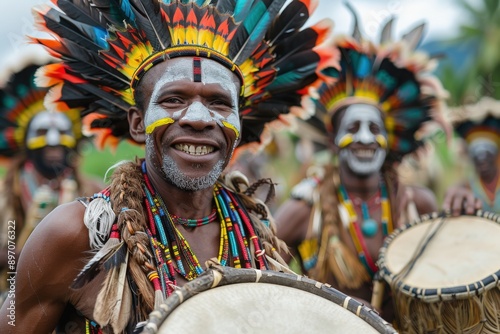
96,163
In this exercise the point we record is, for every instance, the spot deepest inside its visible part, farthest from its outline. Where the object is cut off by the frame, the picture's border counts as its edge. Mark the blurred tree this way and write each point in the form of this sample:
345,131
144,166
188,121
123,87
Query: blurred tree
481,31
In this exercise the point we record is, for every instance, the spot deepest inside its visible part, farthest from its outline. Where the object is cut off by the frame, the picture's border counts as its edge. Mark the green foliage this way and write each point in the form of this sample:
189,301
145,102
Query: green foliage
95,162
481,24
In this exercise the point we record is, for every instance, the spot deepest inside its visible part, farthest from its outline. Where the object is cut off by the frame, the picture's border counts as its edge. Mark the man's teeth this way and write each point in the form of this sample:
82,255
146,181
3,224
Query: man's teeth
194,150
364,153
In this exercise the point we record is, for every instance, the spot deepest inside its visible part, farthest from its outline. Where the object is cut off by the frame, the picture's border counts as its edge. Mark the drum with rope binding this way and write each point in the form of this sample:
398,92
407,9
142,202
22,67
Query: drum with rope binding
229,300
444,274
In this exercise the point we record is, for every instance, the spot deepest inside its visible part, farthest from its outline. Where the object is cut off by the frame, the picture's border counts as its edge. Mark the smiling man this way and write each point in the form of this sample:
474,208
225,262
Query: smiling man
369,119
192,82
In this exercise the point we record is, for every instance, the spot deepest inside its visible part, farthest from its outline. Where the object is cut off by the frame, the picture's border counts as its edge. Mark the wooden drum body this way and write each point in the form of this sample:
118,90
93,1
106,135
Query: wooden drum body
228,300
444,274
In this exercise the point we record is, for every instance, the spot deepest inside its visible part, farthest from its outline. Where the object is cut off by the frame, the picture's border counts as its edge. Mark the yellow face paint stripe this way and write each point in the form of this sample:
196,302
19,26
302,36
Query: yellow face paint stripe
36,143
232,127
41,141
346,140
381,141
164,121
68,141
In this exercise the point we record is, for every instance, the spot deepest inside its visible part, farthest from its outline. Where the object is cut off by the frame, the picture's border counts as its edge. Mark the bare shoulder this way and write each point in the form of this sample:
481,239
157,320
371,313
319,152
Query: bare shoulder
49,262
63,225
424,199
58,245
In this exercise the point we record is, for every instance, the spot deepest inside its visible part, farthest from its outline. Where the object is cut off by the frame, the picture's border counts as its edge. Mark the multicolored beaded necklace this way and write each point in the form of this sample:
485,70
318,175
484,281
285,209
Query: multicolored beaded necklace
172,251
186,222
355,229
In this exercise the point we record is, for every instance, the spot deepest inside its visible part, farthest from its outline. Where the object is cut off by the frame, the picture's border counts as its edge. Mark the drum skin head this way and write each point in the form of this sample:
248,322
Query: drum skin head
465,250
261,308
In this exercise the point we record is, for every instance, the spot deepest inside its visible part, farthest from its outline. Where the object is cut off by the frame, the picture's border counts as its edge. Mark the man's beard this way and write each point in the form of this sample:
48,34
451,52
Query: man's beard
176,177
179,179
51,170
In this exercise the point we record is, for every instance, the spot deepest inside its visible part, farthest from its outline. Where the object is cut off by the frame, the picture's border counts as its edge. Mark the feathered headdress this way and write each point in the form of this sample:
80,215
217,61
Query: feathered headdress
391,76
480,120
107,45
21,100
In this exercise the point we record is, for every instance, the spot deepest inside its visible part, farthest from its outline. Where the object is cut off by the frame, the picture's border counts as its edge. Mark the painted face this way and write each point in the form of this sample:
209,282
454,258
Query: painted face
362,139
206,72
192,121
50,129
484,153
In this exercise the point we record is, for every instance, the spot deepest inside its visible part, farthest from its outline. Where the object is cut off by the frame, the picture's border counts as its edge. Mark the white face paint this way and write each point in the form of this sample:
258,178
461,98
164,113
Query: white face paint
172,102
362,124
481,148
211,73
50,129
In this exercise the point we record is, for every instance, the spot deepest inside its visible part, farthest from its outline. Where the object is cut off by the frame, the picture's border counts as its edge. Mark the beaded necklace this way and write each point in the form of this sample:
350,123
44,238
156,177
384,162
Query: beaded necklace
172,251
195,222
355,229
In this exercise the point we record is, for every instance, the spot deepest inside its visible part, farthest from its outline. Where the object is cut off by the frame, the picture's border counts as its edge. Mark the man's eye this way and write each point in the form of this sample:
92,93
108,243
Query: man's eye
222,103
172,100
353,128
375,129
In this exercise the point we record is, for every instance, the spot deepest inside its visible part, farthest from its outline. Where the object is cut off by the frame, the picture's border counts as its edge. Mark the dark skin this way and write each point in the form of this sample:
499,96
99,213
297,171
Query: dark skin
47,269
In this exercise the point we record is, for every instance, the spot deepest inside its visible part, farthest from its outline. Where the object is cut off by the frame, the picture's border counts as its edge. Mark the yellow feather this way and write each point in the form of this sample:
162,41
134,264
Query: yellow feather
219,43
206,38
191,35
225,48
179,35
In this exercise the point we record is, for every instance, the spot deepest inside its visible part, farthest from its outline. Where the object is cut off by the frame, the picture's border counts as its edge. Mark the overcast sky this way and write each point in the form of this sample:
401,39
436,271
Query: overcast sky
441,16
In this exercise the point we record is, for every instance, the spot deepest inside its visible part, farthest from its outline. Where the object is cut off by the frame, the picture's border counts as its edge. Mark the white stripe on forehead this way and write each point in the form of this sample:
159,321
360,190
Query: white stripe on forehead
211,73
482,145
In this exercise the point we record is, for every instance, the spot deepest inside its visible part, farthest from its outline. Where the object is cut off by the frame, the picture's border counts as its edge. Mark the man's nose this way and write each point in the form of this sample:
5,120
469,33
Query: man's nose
198,116
364,135
53,137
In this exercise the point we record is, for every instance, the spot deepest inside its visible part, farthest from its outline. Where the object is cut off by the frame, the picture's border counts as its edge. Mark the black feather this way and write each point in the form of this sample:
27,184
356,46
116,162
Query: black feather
113,13
226,6
82,11
103,260
304,40
66,28
148,19
288,22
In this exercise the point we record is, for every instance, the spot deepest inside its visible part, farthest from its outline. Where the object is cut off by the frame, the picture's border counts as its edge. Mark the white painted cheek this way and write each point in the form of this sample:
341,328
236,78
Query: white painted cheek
234,120
214,73
340,135
155,113
182,71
